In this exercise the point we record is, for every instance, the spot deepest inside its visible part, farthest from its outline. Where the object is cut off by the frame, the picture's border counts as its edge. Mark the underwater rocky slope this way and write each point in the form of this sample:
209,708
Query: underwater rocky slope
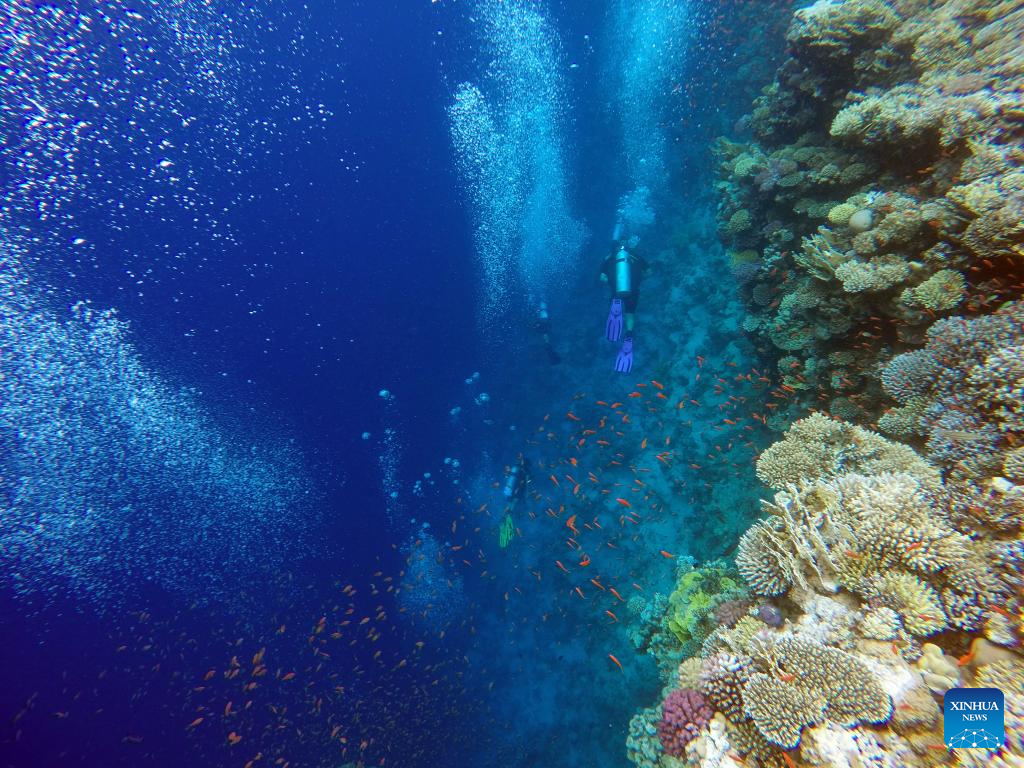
873,208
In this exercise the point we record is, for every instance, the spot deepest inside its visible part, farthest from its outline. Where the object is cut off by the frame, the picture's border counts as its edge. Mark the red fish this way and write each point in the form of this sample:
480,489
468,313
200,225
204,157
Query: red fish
617,662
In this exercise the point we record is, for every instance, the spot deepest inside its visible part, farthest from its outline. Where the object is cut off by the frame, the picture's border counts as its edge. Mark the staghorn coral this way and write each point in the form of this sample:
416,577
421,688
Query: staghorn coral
801,683
819,447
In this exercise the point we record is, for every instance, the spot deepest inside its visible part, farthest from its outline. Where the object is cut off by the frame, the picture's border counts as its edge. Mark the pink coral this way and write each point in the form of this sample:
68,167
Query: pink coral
684,714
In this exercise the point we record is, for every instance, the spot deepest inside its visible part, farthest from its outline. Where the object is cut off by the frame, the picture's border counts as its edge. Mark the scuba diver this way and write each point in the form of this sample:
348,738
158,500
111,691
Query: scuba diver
623,269
543,326
514,490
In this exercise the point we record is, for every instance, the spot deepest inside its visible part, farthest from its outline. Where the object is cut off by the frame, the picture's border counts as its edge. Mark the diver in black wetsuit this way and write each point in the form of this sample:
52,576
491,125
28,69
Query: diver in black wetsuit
623,270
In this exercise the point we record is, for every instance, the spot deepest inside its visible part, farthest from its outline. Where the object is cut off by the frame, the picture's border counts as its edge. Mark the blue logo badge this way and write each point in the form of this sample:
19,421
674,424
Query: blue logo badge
973,718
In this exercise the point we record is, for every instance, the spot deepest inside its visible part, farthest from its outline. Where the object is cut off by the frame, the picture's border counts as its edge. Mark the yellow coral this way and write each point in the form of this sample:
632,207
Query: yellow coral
942,291
840,214
916,603
878,274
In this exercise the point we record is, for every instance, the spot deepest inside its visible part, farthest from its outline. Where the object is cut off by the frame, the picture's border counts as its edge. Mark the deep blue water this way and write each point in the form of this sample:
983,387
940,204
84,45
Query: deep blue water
315,247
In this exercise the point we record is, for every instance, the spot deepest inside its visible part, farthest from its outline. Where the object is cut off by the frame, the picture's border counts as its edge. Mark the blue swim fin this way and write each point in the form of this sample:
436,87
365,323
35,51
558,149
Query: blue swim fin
624,362
613,329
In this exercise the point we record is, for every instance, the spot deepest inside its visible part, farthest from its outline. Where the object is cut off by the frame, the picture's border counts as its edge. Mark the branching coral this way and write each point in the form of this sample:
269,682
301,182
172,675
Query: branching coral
878,274
819,447
793,546
917,604
971,375
941,292
801,683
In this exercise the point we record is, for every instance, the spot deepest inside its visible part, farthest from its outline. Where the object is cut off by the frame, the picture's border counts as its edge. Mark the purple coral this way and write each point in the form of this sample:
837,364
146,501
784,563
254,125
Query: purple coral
727,613
770,615
684,715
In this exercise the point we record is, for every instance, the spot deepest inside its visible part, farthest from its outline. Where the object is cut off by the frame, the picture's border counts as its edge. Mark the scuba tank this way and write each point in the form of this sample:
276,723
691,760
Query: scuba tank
623,274
512,482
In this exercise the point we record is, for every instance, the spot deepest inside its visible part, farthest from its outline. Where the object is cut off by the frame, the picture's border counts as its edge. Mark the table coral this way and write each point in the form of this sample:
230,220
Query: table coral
818,447
801,683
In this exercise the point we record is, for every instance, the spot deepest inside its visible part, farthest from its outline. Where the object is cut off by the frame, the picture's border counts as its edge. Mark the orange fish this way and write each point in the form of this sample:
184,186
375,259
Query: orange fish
658,384
573,416
234,738
615,592
288,676
597,584
613,616
559,564
635,394
571,525
554,480
624,503
195,722
585,561
579,592
669,555
617,663
643,444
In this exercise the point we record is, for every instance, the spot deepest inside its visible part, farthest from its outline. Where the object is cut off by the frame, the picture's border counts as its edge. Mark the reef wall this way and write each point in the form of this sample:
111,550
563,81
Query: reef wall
872,207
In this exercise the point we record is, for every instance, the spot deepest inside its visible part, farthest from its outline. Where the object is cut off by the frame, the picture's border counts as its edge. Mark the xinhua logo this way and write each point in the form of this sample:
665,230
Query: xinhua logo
973,718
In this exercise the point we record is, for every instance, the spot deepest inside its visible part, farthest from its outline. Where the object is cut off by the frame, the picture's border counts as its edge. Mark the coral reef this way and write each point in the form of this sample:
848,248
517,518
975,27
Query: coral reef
873,203
881,183
962,391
